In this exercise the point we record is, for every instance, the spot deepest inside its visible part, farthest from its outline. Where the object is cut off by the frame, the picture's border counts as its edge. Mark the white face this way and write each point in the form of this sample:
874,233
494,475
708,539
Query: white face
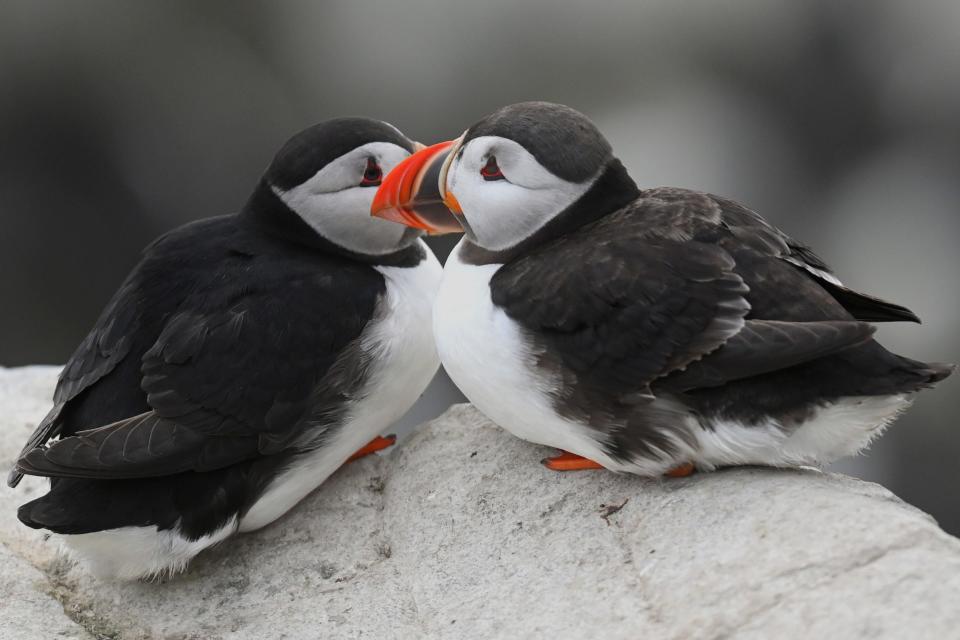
503,212
336,204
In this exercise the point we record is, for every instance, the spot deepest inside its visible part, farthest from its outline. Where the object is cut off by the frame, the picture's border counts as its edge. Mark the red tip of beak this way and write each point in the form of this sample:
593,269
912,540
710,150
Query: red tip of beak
396,197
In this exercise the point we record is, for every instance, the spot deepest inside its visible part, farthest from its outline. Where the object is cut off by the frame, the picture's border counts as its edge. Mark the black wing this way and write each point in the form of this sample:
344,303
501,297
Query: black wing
106,346
658,290
100,378
622,309
242,370
767,345
747,227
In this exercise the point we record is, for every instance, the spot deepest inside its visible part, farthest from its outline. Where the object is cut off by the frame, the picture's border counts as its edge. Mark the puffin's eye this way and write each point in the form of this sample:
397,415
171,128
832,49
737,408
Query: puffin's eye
491,170
372,174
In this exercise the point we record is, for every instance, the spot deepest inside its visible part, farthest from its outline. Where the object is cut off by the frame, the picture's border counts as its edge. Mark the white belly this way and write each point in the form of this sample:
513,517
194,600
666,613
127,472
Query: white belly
405,360
486,355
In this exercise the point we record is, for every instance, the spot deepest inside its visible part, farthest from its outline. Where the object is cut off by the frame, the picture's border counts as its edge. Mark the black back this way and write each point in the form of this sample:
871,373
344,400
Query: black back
213,365
210,355
695,300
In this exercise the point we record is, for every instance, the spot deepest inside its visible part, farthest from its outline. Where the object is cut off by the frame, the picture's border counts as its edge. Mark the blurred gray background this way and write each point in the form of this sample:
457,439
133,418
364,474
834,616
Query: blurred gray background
837,121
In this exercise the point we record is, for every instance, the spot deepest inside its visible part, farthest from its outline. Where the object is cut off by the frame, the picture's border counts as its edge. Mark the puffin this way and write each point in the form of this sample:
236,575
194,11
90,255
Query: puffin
650,331
242,361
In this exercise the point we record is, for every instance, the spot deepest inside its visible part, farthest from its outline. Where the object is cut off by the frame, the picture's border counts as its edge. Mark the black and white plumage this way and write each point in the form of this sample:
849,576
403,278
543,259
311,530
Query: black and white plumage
243,360
644,329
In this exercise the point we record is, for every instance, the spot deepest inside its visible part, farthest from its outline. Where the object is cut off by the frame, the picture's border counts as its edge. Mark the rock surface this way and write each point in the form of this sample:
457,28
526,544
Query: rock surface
460,533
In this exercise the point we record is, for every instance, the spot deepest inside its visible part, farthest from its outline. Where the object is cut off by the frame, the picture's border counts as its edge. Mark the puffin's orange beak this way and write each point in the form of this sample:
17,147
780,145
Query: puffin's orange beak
411,194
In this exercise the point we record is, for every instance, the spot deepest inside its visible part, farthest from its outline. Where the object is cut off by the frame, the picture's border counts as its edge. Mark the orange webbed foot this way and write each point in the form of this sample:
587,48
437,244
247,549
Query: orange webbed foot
567,461
681,470
377,444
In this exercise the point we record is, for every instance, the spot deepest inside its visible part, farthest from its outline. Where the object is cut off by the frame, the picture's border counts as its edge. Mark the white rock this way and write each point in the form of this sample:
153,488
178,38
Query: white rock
461,533
28,608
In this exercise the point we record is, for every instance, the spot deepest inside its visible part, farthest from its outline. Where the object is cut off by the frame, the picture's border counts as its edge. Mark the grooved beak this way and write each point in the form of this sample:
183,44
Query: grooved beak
412,193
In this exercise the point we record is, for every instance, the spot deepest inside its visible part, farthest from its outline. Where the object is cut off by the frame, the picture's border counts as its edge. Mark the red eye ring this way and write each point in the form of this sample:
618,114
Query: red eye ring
372,175
491,170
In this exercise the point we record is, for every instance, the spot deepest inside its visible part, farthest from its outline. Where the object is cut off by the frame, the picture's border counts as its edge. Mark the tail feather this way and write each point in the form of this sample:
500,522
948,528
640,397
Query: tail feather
934,372
882,372
74,506
42,514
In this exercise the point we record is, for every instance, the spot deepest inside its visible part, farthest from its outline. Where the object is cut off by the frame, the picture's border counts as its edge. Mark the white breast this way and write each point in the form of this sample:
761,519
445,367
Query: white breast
487,356
404,358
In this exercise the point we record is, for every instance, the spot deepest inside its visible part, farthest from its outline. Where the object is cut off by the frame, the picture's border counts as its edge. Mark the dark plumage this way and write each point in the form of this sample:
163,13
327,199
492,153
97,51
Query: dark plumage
232,349
690,294
314,148
174,327
658,327
159,387
566,143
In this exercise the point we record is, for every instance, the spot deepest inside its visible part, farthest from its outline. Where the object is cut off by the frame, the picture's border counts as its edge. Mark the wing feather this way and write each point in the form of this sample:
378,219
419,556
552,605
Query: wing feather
767,345
656,293
232,376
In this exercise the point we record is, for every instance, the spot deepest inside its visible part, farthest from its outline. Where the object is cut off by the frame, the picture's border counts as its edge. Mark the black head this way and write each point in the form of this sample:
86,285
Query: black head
326,177
563,140
523,175
309,151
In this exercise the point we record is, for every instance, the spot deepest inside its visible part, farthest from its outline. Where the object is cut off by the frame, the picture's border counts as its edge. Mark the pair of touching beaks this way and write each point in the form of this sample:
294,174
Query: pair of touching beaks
415,192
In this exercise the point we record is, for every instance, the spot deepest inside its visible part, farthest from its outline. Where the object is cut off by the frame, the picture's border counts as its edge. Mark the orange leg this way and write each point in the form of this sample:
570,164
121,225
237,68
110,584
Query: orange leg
377,444
681,470
569,462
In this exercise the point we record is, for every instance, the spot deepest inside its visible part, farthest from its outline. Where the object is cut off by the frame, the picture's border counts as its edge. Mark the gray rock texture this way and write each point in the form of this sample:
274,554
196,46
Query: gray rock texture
461,533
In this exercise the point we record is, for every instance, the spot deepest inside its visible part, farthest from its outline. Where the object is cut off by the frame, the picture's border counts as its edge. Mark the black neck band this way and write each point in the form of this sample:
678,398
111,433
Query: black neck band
268,214
613,190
